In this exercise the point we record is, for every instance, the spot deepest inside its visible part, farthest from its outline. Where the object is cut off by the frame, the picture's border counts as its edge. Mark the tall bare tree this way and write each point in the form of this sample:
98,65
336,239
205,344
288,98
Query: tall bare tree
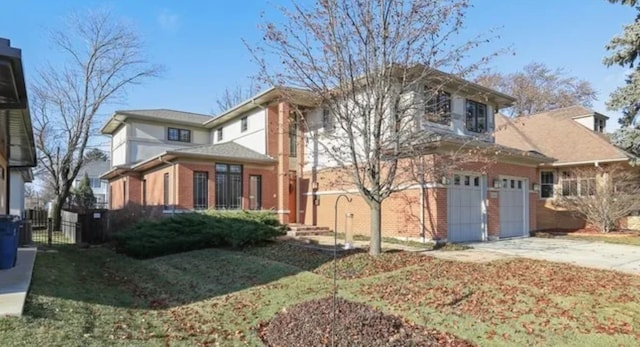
103,56
231,97
538,88
366,62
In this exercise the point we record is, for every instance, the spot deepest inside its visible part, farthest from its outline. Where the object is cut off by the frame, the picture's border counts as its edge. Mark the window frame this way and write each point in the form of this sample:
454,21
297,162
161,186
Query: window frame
165,190
227,175
92,180
178,134
219,134
576,184
543,184
258,192
437,106
474,107
327,121
244,124
200,190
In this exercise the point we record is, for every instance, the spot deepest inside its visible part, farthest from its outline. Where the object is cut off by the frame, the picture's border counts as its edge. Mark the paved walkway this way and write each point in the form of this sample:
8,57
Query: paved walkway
594,254
14,283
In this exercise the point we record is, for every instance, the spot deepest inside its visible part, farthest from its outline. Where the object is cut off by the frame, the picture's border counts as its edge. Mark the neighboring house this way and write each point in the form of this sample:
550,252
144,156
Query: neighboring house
574,137
17,150
256,156
93,169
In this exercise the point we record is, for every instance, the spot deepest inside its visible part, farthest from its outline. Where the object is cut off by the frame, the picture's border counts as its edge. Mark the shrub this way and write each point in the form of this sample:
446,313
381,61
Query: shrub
191,231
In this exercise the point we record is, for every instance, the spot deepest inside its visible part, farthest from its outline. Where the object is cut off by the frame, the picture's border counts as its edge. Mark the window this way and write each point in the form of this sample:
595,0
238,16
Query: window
200,190
255,192
599,125
244,123
144,192
219,134
293,138
437,106
573,185
95,182
166,190
327,120
228,187
182,135
546,184
476,117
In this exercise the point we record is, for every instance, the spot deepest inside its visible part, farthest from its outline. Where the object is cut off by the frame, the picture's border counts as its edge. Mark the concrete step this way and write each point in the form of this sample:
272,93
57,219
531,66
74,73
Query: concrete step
307,230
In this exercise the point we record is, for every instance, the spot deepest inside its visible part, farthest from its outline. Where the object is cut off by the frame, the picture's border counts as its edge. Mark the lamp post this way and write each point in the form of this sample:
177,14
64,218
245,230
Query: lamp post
335,265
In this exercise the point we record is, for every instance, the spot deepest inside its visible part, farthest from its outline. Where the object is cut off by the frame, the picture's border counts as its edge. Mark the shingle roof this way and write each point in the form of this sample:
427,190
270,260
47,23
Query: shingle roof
556,135
165,114
229,150
569,112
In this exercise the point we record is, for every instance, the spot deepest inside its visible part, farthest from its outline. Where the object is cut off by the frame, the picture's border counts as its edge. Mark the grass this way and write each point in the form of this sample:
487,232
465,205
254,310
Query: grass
95,297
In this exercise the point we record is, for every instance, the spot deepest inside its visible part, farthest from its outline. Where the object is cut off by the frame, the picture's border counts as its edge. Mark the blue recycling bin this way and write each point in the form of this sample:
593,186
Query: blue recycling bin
8,242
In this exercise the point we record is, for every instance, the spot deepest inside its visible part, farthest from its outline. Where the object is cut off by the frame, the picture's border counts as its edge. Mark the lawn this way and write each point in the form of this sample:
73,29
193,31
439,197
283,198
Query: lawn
85,297
632,238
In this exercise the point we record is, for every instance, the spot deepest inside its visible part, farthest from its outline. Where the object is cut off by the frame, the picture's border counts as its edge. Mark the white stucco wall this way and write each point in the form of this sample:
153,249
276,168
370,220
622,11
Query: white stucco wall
16,193
119,146
255,135
586,121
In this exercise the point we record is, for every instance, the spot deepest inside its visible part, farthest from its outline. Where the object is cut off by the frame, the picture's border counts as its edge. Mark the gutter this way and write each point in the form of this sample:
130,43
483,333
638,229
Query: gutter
595,162
175,184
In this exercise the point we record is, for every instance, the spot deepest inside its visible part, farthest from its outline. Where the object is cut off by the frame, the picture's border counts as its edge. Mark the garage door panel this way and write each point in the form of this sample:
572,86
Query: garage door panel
513,209
465,209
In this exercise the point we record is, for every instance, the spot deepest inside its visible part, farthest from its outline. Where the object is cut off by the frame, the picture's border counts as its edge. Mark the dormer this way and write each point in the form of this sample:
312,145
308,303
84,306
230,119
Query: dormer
597,122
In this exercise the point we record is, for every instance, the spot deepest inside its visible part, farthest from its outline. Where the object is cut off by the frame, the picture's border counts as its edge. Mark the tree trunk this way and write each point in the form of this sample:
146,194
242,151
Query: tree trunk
56,216
375,245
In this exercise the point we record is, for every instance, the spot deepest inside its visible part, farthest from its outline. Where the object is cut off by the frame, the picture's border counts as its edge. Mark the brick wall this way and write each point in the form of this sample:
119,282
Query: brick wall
552,217
184,182
155,186
401,211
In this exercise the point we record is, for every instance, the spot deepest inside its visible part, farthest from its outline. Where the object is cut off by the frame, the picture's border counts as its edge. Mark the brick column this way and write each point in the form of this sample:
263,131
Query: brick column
283,162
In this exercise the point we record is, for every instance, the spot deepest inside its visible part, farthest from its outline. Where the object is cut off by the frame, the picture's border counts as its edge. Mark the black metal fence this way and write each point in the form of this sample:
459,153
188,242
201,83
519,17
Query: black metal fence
90,227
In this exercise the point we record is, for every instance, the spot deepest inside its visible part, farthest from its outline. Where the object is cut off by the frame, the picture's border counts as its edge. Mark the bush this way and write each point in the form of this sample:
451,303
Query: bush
191,231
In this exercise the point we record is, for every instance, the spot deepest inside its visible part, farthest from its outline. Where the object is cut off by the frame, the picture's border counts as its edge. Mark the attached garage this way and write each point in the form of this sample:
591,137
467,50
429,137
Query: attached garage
514,209
466,195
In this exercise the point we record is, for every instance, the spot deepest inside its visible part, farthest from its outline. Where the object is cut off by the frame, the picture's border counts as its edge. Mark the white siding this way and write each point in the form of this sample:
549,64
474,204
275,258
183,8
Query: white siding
119,146
254,137
16,193
586,121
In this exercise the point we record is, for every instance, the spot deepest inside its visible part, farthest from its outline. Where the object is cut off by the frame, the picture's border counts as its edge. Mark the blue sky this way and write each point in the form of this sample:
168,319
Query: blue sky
200,42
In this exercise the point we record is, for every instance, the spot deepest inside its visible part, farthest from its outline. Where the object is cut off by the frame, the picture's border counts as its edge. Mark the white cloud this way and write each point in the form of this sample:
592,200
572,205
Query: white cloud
168,20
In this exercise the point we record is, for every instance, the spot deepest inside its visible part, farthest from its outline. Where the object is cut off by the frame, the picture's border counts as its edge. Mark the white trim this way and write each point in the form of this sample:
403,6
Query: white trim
356,191
595,162
282,211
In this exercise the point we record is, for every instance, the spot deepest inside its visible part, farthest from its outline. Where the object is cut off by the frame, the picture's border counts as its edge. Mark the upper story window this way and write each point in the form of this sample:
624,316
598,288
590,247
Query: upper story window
244,123
95,182
476,117
327,120
599,124
182,135
219,134
293,136
437,106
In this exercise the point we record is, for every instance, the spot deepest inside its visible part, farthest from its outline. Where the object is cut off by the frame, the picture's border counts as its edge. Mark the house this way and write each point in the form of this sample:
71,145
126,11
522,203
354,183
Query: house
257,156
93,169
17,149
574,137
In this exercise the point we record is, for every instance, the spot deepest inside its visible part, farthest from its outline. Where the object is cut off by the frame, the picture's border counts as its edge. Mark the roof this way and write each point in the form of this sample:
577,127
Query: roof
557,135
94,168
571,112
164,115
14,106
228,151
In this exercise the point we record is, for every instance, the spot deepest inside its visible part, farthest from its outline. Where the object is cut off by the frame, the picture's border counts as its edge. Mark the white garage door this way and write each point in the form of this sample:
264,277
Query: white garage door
513,208
465,208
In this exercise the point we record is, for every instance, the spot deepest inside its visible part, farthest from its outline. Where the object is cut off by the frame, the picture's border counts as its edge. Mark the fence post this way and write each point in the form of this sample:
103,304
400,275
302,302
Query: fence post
49,231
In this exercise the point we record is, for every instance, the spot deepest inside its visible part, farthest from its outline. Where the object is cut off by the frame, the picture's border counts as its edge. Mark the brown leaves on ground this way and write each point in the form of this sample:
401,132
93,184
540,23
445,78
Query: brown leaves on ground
364,265
310,324
540,296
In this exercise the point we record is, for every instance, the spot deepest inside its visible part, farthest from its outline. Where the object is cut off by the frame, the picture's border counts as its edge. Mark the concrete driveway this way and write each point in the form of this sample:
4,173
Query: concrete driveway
583,253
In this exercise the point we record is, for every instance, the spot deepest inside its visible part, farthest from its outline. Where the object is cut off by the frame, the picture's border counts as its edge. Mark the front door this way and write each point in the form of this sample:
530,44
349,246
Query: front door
292,198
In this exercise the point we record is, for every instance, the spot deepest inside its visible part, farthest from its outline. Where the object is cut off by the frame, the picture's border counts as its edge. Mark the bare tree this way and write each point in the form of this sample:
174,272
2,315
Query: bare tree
233,96
601,195
366,63
102,57
538,88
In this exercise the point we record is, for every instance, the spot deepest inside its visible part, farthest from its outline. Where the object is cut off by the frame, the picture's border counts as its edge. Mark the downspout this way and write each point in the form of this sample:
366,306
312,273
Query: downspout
175,185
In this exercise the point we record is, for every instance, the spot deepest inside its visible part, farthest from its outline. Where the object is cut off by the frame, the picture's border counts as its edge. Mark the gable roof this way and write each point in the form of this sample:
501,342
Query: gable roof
162,114
570,112
558,136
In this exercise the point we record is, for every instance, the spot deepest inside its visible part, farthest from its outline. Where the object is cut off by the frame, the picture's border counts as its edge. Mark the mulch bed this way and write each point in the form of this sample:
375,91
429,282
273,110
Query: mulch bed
310,324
